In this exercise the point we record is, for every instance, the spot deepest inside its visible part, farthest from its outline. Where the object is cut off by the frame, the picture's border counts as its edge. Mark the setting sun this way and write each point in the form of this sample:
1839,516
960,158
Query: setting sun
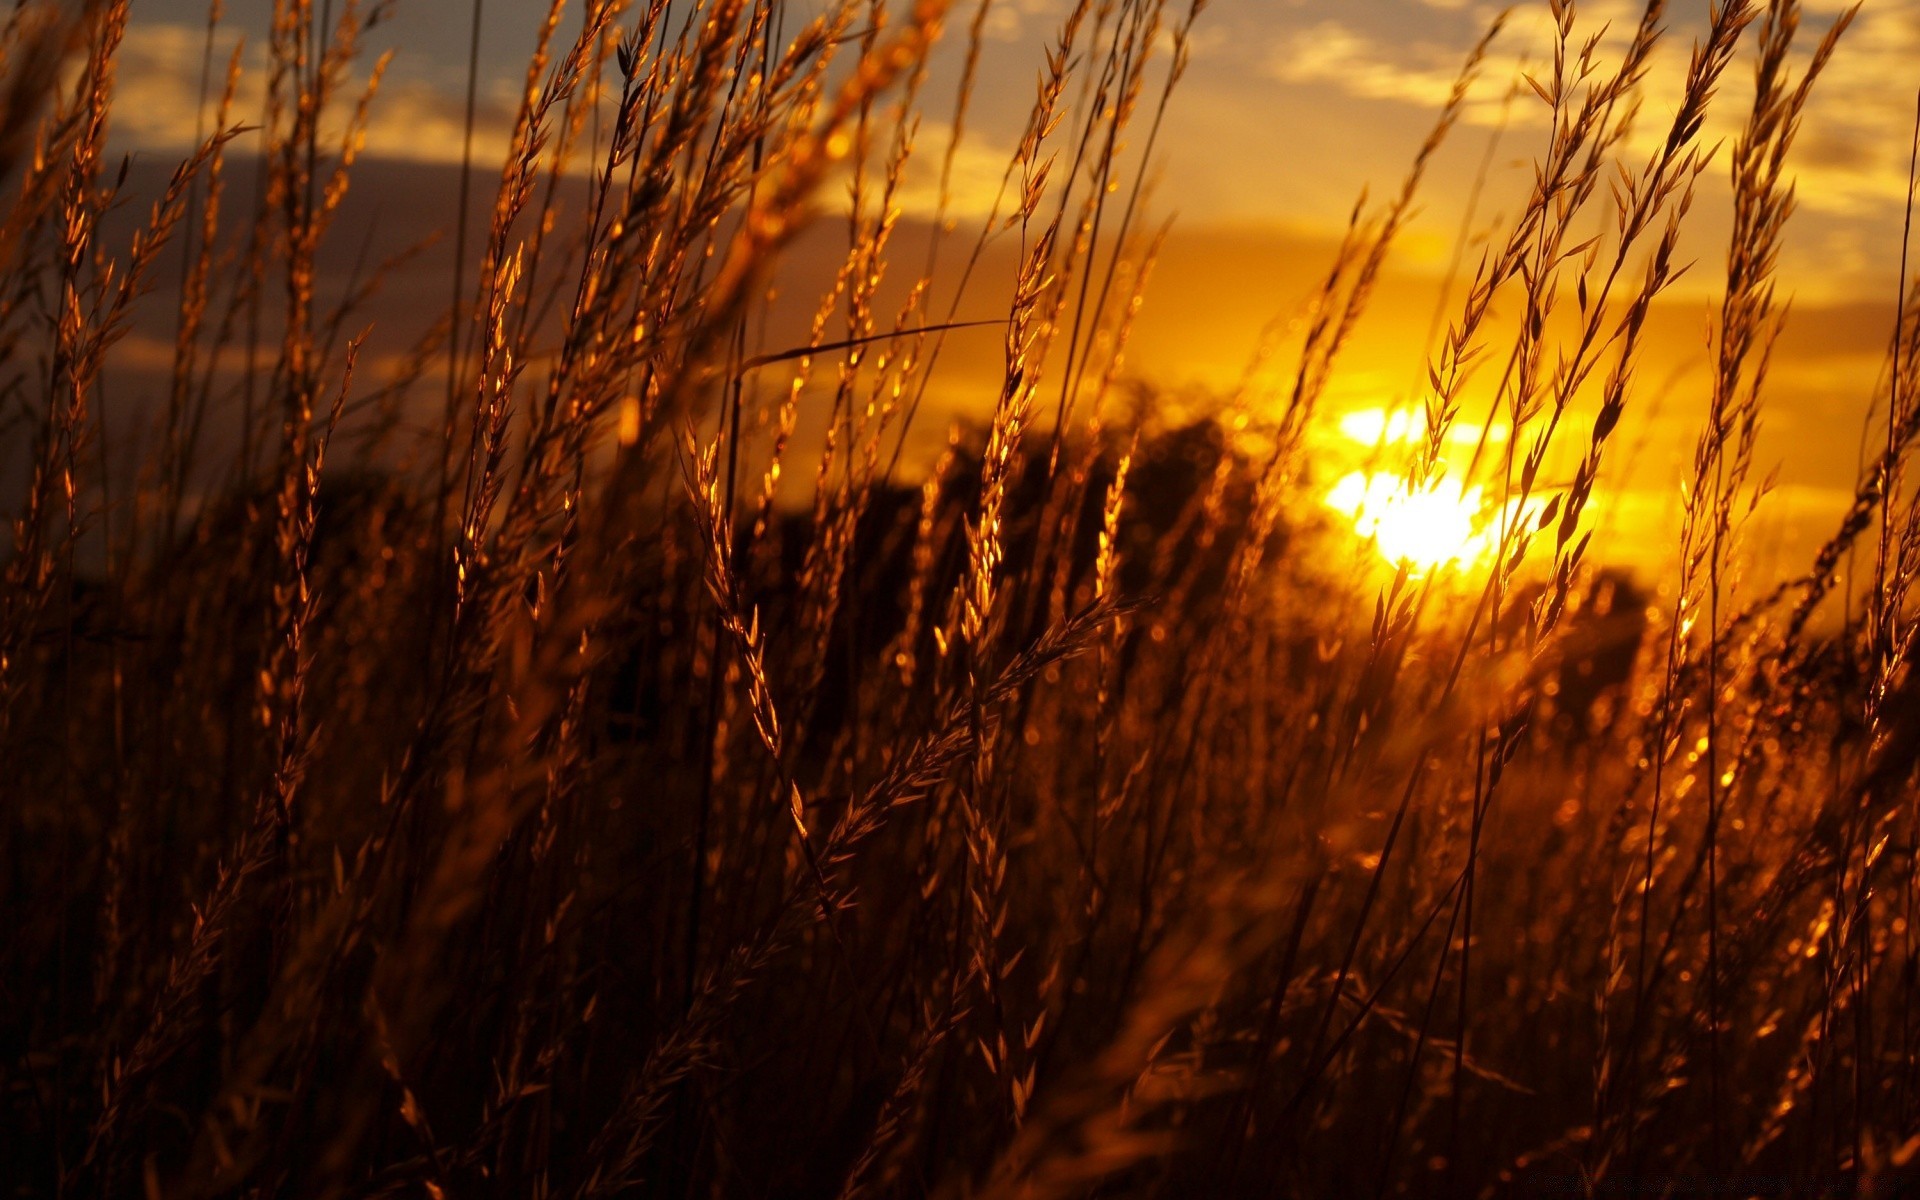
1441,525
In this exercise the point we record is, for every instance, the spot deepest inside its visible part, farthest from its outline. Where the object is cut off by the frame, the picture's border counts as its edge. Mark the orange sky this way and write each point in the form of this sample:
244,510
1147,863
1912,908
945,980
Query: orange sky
1291,108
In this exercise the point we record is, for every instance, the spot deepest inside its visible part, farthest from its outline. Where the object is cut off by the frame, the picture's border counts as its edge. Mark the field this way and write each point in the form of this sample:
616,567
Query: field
608,738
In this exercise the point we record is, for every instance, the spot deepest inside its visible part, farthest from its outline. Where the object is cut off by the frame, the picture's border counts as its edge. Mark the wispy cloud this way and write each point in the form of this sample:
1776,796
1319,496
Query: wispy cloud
1335,55
1852,153
1024,20
415,116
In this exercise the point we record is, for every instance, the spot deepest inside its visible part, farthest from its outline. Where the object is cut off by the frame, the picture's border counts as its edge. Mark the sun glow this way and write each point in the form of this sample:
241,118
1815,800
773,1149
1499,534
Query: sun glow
1402,426
1440,525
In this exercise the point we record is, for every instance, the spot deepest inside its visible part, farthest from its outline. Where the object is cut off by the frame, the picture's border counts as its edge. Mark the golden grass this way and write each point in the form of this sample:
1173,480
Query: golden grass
536,804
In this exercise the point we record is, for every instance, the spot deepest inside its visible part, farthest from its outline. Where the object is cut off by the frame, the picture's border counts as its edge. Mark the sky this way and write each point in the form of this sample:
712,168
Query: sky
1290,110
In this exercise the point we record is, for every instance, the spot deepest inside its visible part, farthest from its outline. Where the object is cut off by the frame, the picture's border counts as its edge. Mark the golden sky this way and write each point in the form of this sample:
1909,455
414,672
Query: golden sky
1290,110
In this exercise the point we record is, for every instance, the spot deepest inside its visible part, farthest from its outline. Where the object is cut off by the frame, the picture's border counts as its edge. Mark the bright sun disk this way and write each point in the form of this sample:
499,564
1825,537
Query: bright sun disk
1440,525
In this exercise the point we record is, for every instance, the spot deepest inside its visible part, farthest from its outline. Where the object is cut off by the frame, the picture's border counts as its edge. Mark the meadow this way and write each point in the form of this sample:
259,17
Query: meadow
602,741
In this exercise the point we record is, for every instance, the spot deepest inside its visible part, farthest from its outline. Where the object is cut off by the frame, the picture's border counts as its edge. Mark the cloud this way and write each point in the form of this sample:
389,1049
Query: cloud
1849,164
975,184
1332,54
1024,20
415,116
157,102
1858,125
1417,64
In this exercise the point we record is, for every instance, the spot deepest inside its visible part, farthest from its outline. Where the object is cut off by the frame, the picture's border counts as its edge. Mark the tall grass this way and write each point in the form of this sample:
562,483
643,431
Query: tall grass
540,764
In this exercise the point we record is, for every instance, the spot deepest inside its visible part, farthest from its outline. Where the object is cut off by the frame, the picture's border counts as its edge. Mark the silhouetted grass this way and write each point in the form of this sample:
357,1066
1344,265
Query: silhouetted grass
492,773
